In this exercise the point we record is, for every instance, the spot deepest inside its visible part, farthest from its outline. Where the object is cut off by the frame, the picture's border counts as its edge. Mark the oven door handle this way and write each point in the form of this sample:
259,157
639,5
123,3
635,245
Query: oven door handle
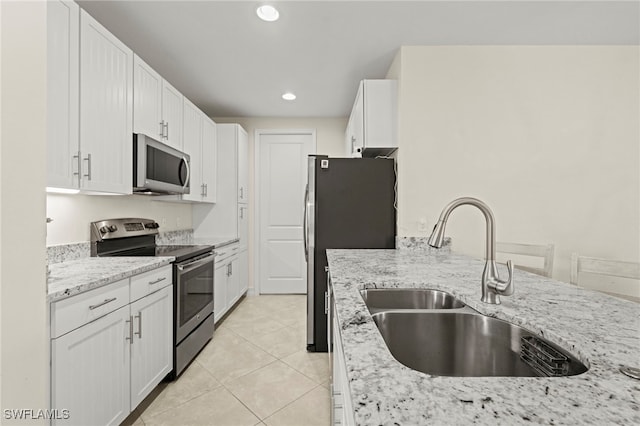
196,263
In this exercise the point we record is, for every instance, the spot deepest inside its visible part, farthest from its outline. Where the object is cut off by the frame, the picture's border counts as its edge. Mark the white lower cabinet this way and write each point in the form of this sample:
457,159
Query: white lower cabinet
230,279
220,290
341,405
108,354
90,371
243,271
151,348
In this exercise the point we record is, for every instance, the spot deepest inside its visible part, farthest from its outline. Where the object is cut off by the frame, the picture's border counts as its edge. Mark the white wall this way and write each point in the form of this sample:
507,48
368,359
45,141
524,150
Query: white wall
72,214
547,136
23,311
329,141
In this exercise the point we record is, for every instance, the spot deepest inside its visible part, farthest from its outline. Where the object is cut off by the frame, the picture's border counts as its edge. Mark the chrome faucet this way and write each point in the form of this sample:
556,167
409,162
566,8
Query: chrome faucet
492,286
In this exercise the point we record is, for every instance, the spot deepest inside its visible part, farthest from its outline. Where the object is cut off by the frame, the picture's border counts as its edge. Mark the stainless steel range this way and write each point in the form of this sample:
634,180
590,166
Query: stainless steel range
193,271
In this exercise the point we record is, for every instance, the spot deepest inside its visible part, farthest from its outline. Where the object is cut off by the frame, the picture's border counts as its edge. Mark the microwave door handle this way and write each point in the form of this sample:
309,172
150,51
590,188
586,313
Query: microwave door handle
186,181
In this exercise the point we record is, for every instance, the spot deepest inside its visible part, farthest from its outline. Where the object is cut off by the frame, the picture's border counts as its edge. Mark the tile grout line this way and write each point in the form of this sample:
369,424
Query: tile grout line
290,403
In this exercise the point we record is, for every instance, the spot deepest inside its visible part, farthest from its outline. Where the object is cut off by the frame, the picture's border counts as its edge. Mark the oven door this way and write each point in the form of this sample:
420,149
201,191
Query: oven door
194,293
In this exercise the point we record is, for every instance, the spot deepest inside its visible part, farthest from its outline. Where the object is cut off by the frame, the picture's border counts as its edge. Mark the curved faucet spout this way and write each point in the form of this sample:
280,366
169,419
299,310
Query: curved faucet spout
492,285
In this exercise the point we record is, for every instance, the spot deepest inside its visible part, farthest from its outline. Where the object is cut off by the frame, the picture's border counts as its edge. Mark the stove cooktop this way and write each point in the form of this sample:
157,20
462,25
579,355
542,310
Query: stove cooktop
180,252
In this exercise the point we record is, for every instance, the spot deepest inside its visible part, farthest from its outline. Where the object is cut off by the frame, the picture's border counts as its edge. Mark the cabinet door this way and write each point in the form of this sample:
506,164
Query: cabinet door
356,122
192,146
243,225
172,111
152,348
147,100
233,282
220,290
106,104
90,371
209,160
243,271
63,84
243,165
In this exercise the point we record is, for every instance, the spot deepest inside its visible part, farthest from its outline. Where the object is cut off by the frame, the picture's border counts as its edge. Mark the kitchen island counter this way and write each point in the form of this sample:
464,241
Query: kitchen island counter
77,276
600,330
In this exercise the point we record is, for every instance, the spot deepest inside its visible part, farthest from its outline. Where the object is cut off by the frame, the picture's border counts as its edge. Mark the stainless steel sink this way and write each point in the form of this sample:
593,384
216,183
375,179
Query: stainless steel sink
408,298
471,345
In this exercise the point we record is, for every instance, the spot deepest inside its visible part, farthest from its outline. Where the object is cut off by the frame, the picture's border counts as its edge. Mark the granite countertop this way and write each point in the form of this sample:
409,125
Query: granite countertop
77,276
601,330
216,242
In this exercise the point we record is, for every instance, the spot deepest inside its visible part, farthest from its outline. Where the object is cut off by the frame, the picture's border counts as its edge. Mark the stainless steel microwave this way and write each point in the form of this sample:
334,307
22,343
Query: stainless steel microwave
158,168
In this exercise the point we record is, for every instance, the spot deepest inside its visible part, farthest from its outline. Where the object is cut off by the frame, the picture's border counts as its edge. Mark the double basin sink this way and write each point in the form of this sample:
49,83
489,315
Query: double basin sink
433,332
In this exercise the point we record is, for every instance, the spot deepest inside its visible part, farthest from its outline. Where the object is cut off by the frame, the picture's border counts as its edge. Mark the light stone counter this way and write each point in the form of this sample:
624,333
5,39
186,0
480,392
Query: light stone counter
602,331
77,276
216,242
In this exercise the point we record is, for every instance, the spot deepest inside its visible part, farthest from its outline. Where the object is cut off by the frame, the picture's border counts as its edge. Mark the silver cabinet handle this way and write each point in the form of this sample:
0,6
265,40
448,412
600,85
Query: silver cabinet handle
92,307
78,161
157,281
206,189
139,332
166,126
241,212
242,192
162,129
130,337
88,160
202,189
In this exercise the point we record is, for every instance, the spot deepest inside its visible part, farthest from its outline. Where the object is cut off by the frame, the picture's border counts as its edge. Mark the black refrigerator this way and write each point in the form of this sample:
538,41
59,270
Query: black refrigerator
349,204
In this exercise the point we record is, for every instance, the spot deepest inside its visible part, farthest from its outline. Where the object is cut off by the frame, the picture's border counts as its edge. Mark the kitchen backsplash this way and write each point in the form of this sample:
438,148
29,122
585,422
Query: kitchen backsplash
183,236
74,251
67,252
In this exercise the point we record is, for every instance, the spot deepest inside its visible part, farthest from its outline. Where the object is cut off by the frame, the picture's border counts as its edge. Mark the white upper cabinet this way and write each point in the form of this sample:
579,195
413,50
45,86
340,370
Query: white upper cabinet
373,124
106,109
63,38
221,220
199,138
192,146
209,159
147,100
172,104
157,106
243,165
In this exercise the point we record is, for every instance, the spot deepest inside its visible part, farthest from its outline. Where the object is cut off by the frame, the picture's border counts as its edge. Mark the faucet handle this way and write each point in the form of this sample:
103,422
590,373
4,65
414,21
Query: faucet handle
505,288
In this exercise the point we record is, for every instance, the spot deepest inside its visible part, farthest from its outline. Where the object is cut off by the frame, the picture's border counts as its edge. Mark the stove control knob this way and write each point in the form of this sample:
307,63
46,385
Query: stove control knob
112,228
104,230
151,225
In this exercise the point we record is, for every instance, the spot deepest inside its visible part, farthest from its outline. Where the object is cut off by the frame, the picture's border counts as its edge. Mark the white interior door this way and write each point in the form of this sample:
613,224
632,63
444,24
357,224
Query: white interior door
282,176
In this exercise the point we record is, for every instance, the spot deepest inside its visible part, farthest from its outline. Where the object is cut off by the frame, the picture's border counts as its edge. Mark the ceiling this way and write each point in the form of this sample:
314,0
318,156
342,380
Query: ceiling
231,64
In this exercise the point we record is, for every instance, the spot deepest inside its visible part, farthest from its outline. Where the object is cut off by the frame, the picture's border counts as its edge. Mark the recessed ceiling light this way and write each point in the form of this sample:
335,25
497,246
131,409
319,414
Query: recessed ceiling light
288,96
268,13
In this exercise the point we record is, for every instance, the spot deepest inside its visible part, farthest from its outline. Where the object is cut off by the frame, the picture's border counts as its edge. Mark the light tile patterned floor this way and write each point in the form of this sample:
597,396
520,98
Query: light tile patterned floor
255,371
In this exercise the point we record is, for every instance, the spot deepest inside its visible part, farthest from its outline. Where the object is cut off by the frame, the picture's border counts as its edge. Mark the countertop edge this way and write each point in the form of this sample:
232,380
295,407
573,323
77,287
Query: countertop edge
85,282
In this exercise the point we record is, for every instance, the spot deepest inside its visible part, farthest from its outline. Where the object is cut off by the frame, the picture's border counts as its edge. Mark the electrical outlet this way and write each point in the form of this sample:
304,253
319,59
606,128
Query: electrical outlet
422,224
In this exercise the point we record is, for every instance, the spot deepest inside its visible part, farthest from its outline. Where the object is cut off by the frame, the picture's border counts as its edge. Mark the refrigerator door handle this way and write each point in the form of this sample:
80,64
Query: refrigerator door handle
305,229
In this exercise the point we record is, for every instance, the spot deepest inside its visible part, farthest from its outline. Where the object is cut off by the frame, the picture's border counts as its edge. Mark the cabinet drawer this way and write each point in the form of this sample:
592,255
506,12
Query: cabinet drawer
222,254
71,313
148,282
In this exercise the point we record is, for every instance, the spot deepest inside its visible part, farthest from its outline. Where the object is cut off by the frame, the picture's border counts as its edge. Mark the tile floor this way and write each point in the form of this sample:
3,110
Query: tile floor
255,371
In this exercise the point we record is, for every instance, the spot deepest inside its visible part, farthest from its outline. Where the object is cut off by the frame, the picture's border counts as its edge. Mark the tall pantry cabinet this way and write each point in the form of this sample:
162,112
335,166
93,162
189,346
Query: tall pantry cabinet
229,216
